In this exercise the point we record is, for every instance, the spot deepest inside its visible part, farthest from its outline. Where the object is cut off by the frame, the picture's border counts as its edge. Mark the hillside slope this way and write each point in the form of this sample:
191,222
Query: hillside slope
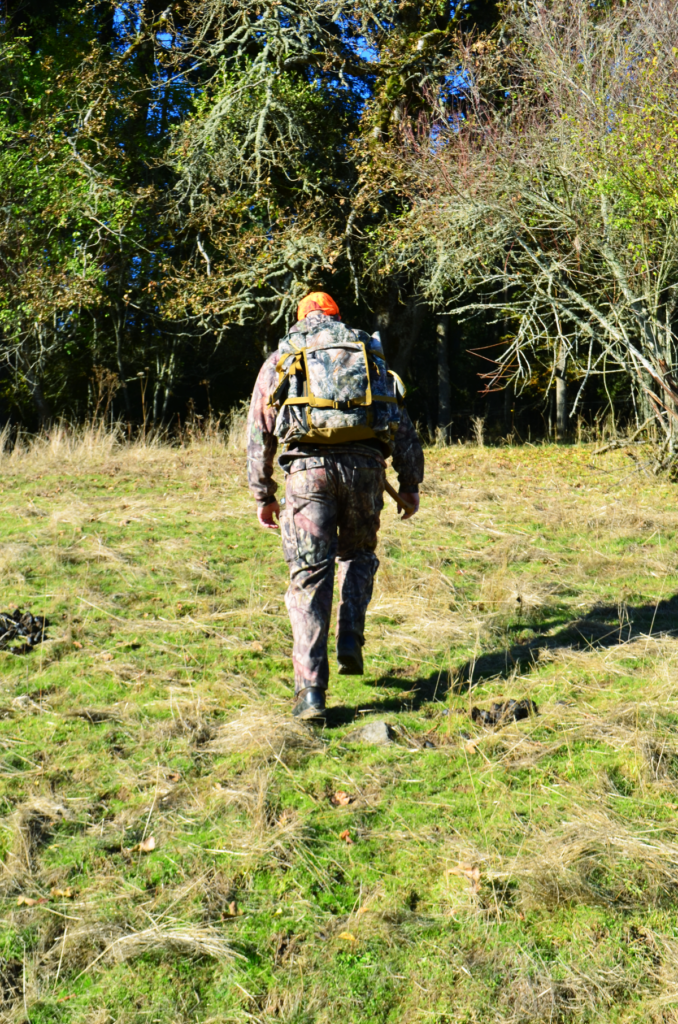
175,849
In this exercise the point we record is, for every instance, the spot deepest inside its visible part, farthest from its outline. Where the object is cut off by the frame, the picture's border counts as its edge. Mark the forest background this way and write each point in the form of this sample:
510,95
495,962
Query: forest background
491,186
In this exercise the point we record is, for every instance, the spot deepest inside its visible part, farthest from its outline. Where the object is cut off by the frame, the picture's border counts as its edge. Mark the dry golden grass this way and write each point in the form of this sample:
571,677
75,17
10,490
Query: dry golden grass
255,730
30,825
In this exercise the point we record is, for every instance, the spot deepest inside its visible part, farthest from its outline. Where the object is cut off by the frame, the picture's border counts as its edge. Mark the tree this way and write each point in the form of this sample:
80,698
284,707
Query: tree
552,201
262,166
179,174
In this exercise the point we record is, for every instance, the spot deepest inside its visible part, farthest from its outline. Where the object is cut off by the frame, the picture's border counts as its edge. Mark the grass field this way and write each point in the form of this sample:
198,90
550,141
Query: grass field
175,849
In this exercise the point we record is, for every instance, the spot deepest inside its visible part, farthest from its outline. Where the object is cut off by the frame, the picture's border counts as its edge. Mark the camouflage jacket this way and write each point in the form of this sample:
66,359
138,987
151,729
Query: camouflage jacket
262,444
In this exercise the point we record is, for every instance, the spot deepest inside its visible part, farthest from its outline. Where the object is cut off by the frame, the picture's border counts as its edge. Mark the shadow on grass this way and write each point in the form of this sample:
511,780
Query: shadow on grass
418,693
604,626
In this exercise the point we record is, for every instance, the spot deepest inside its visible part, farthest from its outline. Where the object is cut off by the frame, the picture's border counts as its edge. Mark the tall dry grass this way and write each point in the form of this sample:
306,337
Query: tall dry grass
98,440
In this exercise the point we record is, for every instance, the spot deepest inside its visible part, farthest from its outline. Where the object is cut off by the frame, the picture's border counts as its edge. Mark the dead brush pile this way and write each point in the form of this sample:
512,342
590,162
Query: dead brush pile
535,996
271,735
599,859
31,827
83,948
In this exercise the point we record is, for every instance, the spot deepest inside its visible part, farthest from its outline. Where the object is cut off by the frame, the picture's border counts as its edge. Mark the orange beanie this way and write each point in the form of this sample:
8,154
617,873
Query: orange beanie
321,301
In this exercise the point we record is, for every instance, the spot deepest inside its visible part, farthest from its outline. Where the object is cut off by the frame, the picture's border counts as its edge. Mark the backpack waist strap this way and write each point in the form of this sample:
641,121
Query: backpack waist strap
328,403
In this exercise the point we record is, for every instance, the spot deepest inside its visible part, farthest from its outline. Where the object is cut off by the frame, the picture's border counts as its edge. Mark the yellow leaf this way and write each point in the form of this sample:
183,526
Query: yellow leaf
347,936
470,871
340,798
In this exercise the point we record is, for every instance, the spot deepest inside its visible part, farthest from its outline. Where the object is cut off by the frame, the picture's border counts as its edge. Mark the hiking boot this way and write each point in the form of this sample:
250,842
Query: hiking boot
349,654
310,704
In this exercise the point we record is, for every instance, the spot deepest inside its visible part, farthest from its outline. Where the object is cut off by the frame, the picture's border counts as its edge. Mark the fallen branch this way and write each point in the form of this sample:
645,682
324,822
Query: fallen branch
613,445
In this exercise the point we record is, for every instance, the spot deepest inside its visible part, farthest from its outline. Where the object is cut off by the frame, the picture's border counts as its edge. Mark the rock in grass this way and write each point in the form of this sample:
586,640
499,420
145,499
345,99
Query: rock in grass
379,733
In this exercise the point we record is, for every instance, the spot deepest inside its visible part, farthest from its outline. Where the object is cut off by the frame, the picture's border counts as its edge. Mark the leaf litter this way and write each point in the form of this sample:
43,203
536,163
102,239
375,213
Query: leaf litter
505,711
341,799
21,631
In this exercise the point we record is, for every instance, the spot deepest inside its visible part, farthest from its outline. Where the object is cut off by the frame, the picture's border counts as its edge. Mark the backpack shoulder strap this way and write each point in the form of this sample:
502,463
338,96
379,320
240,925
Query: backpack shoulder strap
292,348
399,387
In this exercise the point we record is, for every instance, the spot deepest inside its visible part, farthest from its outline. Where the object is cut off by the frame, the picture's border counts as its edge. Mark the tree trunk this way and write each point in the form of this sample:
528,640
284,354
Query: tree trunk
410,320
509,395
399,325
444,389
561,395
118,327
41,405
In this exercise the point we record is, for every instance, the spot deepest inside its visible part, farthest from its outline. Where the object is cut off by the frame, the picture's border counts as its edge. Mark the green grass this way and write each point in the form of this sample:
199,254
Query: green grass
526,873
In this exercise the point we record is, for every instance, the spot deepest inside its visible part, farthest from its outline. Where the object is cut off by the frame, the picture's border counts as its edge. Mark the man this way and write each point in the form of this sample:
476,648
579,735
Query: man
329,398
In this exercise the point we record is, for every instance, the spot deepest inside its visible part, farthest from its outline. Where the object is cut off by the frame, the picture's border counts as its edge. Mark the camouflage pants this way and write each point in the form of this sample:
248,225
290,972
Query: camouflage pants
331,513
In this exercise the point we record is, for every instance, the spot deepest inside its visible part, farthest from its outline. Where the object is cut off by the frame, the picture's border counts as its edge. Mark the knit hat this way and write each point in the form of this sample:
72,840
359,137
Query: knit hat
320,301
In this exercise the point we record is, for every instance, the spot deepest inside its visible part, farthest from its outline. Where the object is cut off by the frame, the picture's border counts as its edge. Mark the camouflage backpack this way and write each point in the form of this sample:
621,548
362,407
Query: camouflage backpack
334,386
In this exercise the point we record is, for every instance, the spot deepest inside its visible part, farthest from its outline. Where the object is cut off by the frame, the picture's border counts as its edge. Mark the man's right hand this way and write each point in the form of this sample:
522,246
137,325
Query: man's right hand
267,515
411,499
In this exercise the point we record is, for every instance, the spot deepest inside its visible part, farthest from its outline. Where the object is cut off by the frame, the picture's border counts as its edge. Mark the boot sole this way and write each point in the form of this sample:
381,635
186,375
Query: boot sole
348,666
309,714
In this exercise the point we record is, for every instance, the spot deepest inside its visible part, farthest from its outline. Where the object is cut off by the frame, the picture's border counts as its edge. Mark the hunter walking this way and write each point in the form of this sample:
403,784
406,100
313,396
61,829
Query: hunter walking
328,398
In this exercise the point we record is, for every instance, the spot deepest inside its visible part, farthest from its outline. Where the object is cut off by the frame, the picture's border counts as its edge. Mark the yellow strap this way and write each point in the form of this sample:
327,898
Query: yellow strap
296,362
328,403
321,403
368,394
283,374
403,389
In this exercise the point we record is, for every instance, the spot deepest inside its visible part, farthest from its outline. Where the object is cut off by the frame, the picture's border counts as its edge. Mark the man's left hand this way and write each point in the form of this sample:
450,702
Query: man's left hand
267,515
411,499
